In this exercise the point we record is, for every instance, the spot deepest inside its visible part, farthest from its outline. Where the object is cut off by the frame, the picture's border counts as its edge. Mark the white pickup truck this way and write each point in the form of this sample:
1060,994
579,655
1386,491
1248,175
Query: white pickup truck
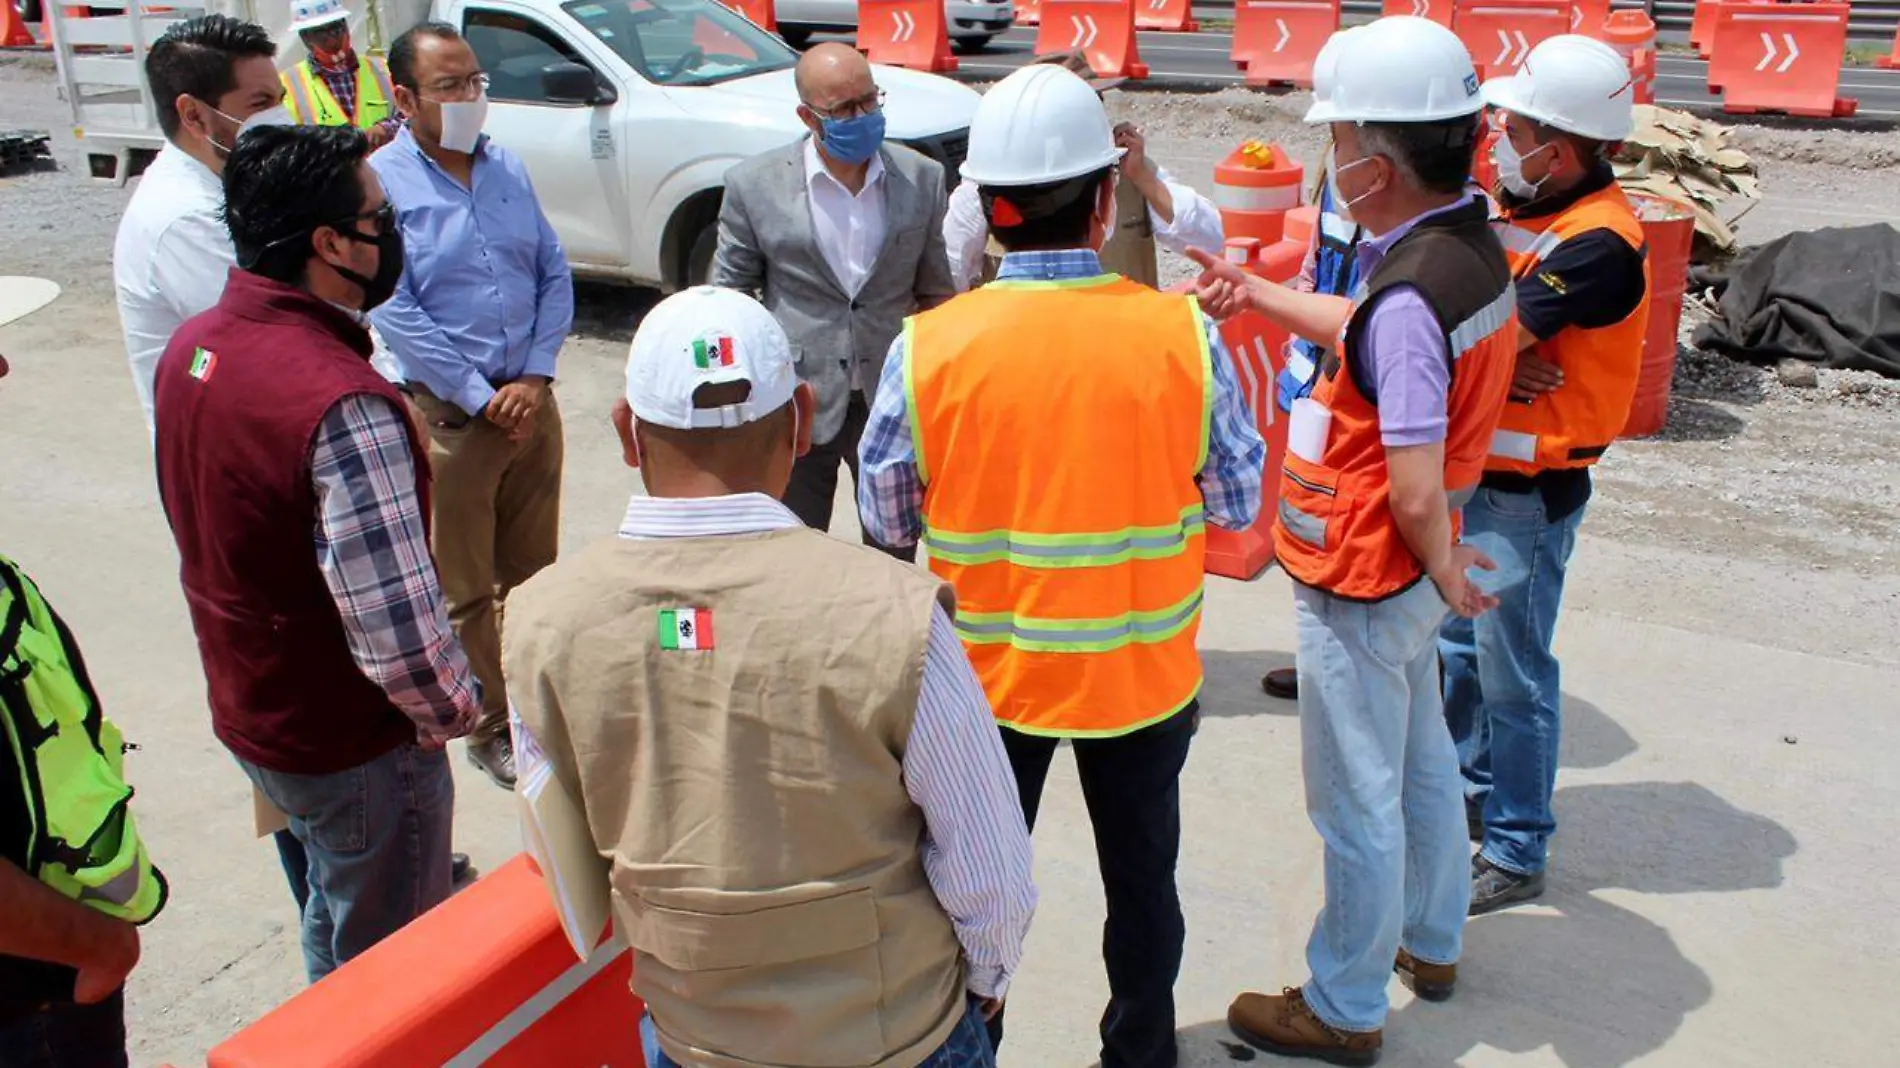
626,112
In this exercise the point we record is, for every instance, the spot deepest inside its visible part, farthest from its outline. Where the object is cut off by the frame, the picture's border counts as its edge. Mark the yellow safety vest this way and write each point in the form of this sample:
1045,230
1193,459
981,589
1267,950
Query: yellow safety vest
313,104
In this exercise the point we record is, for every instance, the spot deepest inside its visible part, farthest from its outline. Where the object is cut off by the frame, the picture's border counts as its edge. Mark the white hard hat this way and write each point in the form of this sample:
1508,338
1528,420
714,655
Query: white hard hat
1041,124
1573,83
708,336
1398,69
1326,64
310,14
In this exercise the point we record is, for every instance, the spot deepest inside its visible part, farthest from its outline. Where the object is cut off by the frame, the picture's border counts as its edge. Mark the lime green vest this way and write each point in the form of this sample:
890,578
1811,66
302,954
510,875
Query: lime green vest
312,103
68,761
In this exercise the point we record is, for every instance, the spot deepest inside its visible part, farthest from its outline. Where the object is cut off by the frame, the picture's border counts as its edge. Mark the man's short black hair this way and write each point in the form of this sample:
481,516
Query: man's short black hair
1435,155
198,57
281,184
1055,214
402,53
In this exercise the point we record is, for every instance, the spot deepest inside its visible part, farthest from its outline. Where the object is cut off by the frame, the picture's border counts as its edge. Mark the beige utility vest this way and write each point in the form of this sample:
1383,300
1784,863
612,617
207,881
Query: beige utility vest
750,796
1129,251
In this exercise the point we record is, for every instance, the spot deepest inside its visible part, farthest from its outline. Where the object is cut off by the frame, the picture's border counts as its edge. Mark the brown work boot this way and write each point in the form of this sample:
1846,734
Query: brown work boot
1283,1023
1433,982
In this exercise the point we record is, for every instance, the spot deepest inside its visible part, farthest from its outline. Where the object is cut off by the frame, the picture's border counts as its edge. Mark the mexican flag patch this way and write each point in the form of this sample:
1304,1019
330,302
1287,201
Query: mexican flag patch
710,352
203,362
686,628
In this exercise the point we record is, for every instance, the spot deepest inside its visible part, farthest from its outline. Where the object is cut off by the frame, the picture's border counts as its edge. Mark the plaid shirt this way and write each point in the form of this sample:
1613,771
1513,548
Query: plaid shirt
342,82
891,496
374,553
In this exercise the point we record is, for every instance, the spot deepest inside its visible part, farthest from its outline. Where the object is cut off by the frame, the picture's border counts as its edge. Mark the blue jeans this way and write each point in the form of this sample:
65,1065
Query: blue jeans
1382,789
377,837
967,1047
1502,684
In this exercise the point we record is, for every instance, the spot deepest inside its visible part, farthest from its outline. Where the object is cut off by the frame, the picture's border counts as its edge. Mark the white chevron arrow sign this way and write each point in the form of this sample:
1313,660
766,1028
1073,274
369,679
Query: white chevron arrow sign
1284,34
1085,31
1504,50
906,26
1158,5
1422,8
1768,55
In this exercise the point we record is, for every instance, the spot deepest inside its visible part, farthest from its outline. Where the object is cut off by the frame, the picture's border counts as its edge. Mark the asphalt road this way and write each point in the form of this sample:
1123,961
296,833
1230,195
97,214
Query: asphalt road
1200,60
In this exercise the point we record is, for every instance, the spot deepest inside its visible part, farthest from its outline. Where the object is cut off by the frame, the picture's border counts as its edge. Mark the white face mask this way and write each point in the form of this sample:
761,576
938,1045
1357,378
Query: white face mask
462,123
277,116
1510,166
1341,206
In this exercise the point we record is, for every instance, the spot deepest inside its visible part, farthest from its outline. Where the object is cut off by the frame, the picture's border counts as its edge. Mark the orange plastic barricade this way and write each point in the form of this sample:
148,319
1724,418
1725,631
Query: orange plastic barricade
1167,16
1669,229
1891,60
1254,188
13,31
905,33
1276,41
1500,33
1028,12
502,990
1588,16
760,12
1780,57
1102,30
1438,11
1633,35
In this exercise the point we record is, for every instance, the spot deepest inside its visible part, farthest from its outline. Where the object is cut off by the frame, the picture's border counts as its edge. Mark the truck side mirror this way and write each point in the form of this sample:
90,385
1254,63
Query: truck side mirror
574,84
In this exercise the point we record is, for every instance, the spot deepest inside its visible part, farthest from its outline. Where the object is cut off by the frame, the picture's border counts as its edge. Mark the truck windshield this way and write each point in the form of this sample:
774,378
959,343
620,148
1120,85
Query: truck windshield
682,42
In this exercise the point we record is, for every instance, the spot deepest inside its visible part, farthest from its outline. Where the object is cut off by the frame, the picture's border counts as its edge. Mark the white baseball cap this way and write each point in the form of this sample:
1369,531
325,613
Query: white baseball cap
708,336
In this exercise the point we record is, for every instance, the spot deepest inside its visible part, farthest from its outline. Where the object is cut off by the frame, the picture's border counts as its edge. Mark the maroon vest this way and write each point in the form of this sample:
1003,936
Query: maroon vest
239,395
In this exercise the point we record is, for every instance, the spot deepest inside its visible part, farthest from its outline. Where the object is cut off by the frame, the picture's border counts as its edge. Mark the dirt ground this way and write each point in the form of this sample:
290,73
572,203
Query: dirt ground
1721,890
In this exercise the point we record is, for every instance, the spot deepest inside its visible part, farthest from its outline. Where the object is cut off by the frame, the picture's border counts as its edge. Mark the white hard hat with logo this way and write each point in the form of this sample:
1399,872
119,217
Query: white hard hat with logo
1573,83
1399,69
310,14
1041,124
707,336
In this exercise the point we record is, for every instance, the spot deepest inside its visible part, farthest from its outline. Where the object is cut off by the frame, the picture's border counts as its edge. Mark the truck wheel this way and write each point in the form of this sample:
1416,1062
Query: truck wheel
699,262
971,45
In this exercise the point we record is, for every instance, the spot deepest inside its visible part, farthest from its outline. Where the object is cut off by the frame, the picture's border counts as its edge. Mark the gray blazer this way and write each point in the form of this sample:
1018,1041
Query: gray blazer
767,247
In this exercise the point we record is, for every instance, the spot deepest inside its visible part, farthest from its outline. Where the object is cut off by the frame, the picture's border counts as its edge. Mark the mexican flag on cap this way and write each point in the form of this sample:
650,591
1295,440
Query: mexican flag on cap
686,628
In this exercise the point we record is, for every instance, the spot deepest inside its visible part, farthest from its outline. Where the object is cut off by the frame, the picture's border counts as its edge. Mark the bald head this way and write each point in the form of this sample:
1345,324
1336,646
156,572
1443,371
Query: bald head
832,76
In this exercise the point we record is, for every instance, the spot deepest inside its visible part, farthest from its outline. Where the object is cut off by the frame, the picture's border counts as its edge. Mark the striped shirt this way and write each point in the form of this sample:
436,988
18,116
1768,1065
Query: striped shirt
976,846
374,553
891,496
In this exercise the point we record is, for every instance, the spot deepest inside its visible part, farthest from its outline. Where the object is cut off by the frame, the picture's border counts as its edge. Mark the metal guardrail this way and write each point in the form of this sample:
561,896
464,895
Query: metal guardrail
1866,21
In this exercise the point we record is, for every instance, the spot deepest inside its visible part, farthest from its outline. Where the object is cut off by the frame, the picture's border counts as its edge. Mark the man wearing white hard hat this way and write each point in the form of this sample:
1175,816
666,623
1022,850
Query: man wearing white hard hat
1060,439
774,735
1379,459
1578,254
335,86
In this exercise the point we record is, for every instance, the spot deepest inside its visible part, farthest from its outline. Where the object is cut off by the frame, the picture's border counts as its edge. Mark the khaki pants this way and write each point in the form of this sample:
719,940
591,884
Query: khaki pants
497,506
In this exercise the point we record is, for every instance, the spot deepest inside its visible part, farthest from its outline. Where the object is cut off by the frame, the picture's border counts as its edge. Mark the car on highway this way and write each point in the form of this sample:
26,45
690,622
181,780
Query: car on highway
972,24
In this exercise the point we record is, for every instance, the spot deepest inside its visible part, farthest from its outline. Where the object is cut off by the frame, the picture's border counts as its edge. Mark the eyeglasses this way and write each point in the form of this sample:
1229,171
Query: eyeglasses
456,88
851,109
384,218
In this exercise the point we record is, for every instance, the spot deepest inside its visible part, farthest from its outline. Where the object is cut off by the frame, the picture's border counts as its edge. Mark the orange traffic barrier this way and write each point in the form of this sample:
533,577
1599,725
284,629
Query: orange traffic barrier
13,31
1102,30
1891,60
499,986
1588,16
1633,35
1028,12
1276,41
1167,16
1254,188
1438,11
905,33
1669,230
1500,33
1780,57
760,12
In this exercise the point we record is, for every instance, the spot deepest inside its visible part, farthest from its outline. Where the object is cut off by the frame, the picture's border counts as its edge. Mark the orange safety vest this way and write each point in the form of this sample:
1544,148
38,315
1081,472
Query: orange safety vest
1574,424
1059,428
1336,531
311,102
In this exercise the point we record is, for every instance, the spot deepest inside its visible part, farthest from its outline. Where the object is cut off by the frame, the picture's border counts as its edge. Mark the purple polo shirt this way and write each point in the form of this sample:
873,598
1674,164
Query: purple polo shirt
1402,350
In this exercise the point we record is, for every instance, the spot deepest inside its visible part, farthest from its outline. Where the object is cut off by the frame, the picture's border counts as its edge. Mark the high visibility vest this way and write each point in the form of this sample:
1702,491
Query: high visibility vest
1574,424
1336,531
1335,273
68,762
1059,427
312,103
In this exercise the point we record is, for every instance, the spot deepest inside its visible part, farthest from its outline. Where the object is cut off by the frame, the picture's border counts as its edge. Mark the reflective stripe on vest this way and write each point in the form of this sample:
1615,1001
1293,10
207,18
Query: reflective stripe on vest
68,758
1574,424
313,104
1059,426
1488,320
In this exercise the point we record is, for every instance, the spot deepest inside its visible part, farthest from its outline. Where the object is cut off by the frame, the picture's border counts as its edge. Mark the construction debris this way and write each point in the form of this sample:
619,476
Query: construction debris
22,150
1677,156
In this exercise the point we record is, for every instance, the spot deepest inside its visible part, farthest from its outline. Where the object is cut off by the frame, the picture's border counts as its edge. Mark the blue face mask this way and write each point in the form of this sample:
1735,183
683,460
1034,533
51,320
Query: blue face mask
854,140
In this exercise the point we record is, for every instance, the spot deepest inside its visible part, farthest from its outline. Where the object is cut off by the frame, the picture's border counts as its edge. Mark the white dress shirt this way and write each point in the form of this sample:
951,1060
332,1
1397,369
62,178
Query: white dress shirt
975,851
966,234
849,226
170,259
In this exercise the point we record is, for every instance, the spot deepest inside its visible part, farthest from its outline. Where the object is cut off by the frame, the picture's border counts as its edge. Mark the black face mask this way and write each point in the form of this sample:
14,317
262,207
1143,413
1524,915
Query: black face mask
388,244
